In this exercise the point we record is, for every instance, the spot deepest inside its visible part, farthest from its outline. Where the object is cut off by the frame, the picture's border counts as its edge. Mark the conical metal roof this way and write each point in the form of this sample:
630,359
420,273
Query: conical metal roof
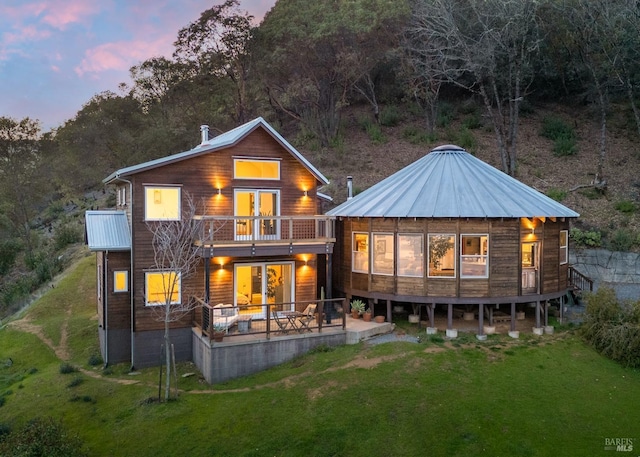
450,182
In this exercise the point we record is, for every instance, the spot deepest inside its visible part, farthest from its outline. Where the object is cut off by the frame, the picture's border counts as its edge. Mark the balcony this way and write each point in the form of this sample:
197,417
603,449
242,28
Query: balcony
266,235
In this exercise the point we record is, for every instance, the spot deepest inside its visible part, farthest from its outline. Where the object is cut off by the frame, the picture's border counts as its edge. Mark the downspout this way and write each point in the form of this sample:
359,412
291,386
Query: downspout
105,308
132,276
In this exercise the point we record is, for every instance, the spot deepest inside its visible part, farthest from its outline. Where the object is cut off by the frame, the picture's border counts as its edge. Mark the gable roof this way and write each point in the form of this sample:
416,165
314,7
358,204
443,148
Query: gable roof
219,142
107,230
450,182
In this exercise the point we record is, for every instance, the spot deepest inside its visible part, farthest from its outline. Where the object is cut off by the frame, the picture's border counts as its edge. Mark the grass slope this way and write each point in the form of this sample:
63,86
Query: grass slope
547,395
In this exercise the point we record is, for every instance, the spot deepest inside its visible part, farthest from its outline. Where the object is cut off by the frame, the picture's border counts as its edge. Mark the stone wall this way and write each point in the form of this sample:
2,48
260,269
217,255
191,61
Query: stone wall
607,267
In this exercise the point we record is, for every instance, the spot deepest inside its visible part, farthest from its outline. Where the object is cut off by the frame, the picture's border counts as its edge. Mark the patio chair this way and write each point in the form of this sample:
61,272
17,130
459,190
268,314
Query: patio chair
308,315
282,322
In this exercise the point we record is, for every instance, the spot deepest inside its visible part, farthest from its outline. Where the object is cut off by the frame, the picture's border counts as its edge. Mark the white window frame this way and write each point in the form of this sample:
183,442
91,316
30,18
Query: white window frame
375,239
455,257
420,257
477,256
564,248
160,187
354,251
115,281
249,159
146,288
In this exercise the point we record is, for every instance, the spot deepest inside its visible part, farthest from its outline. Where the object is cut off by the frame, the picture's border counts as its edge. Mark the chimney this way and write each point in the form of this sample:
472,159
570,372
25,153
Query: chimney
204,129
349,187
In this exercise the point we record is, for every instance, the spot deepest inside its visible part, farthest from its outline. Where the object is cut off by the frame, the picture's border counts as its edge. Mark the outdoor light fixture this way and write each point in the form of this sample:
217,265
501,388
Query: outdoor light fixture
306,194
533,230
219,191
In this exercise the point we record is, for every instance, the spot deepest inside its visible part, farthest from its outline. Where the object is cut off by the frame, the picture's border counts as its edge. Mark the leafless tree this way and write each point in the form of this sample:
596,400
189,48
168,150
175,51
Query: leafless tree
176,255
484,46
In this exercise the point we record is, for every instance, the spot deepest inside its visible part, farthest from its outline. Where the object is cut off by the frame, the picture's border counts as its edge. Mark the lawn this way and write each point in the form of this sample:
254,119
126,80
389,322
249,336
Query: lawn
548,395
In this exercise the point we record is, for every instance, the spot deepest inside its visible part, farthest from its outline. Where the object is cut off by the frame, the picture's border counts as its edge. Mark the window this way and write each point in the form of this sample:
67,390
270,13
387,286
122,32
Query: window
121,196
383,254
361,252
442,260
410,255
473,256
564,246
256,169
162,203
160,285
121,281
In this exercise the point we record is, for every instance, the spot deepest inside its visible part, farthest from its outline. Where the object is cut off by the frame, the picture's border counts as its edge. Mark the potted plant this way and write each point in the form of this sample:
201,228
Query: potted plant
367,315
379,319
357,308
218,332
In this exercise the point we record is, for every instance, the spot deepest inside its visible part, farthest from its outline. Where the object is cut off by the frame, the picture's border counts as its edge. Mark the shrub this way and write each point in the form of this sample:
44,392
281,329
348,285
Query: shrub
95,360
67,234
76,381
587,238
66,368
557,194
612,327
625,206
472,121
42,437
445,115
8,251
622,240
565,146
375,134
390,116
465,139
562,134
416,136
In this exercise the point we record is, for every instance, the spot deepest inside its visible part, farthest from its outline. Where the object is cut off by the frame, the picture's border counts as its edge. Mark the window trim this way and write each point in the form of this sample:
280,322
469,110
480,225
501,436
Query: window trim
455,257
393,257
146,287
155,187
409,234
236,160
353,251
115,281
564,248
485,256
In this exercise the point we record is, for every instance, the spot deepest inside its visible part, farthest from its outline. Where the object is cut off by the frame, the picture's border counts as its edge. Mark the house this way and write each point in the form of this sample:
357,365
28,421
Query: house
452,233
263,246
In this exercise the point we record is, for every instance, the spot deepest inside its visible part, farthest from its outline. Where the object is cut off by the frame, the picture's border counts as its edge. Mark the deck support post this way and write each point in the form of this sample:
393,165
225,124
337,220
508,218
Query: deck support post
449,316
481,320
546,313
430,310
538,310
513,316
389,317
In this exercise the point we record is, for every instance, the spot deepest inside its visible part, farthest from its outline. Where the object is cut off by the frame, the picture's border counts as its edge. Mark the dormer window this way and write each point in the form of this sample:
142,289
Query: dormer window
256,169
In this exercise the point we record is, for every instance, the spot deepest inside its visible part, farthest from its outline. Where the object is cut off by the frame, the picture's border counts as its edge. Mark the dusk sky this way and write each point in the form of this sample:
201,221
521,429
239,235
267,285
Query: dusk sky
57,54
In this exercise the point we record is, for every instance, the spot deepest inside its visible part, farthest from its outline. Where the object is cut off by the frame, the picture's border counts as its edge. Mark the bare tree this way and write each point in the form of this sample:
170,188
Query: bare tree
177,257
485,46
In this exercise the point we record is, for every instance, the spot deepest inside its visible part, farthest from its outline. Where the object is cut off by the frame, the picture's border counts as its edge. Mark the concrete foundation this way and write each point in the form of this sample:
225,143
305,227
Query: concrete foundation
452,333
538,330
514,334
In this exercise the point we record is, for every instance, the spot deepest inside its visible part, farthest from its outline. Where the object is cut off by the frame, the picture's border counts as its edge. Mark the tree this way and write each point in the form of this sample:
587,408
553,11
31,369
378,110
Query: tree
313,53
484,46
176,256
23,176
217,44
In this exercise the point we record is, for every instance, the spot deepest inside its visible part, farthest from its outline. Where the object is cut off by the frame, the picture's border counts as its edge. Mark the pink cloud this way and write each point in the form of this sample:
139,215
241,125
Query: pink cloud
119,56
61,13
28,33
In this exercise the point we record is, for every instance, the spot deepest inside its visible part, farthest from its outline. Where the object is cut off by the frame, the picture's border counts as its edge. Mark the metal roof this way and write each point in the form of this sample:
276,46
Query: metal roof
450,182
107,231
221,141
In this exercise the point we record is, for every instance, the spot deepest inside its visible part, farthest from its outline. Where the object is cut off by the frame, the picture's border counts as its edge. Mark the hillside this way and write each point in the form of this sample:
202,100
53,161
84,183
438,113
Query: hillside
369,162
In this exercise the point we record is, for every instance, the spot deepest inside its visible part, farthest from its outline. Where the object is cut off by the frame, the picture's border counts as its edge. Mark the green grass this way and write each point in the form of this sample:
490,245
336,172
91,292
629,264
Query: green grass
547,395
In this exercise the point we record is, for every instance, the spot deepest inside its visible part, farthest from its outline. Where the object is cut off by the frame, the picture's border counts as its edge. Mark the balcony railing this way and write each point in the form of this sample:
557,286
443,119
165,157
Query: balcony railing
218,230
241,321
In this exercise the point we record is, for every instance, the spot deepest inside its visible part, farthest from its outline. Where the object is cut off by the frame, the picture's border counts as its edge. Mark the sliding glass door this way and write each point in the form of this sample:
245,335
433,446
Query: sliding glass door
258,284
258,206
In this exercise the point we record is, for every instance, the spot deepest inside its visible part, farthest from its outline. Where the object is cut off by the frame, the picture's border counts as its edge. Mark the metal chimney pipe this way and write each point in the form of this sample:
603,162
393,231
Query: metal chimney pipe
204,130
349,187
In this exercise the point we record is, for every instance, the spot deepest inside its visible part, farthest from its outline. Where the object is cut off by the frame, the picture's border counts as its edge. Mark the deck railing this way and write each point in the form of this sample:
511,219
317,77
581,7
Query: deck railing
579,281
329,313
217,230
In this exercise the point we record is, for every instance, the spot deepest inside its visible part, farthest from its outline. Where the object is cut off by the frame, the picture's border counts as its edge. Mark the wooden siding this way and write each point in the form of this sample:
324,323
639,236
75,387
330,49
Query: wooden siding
118,304
201,177
504,257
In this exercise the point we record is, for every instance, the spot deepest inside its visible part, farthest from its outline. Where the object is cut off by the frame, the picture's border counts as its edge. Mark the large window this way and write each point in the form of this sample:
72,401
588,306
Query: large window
410,255
256,169
162,203
564,246
121,281
261,208
383,253
360,252
162,285
473,256
442,259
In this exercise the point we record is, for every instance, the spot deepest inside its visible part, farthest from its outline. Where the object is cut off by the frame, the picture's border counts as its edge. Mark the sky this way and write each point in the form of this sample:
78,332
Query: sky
57,54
